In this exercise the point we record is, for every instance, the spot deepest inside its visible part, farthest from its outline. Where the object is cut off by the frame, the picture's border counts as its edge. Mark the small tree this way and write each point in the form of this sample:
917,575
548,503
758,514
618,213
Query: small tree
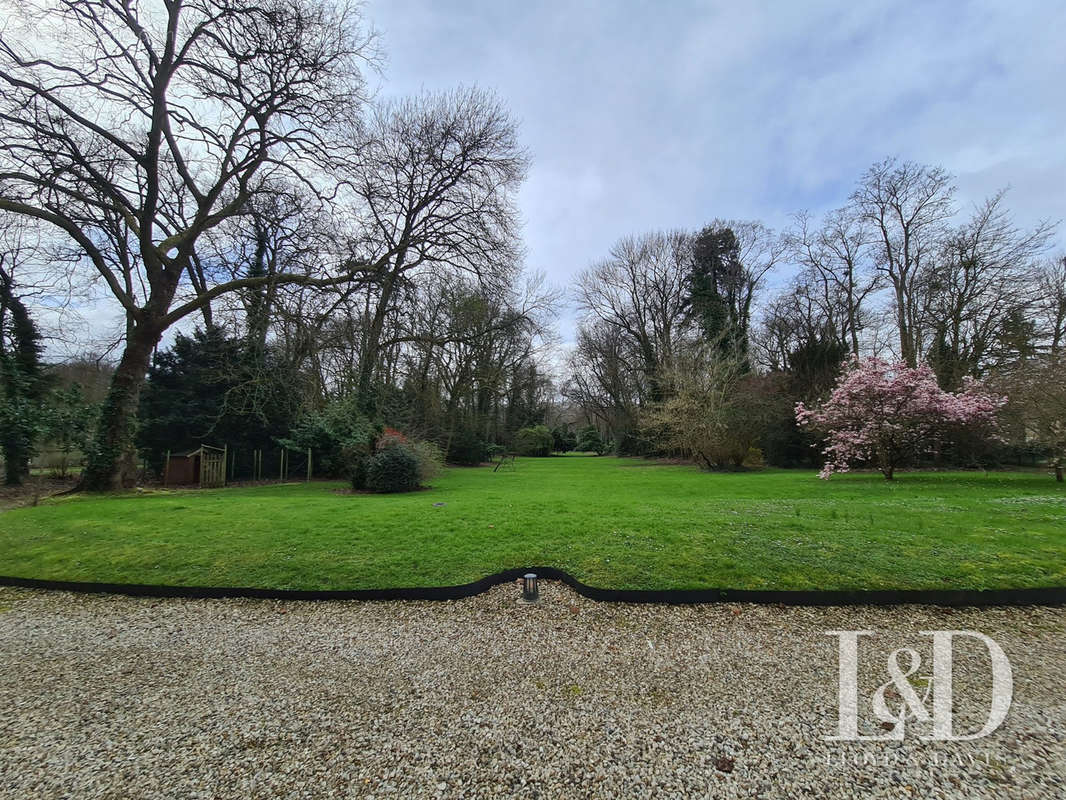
888,413
340,437
467,448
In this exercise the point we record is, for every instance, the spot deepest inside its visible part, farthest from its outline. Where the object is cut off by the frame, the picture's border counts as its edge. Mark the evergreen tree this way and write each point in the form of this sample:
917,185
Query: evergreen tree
213,389
22,383
715,252
716,286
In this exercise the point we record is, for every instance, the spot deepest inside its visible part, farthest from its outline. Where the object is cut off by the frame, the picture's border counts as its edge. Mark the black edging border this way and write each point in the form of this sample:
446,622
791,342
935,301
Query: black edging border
1055,596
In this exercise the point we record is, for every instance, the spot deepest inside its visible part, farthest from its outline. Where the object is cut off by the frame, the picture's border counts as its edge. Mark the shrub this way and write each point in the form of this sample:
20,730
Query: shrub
718,411
467,448
361,459
357,471
353,459
785,444
535,441
590,441
563,441
338,437
429,457
754,458
392,469
68,422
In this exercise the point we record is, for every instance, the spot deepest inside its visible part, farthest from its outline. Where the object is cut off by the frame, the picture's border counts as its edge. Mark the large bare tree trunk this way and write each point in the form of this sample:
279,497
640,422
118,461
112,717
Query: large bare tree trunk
907,351
368,362
112,461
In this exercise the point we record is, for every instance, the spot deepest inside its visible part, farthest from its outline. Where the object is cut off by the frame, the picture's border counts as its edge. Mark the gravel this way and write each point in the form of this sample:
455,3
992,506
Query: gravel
108,697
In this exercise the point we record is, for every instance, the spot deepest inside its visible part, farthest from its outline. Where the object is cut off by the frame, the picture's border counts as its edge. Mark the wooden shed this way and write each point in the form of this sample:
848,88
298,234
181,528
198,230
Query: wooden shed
204,467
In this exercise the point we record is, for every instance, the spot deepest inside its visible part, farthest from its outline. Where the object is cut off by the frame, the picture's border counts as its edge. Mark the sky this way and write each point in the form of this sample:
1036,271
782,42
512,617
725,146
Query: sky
642,116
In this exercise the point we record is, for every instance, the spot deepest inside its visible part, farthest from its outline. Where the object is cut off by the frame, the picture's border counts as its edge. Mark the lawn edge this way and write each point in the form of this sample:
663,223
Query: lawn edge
1051,596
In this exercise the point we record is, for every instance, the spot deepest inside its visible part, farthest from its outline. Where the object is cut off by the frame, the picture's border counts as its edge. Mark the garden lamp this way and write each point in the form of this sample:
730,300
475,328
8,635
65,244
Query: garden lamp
529,587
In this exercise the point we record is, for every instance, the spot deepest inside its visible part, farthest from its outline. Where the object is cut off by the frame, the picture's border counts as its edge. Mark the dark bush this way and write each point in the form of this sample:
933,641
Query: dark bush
630,444
467,448
968,449
354,459
535,441
392,469
785,444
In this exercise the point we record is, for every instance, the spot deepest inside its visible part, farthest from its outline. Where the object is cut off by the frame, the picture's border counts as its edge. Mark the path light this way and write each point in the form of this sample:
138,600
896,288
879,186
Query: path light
529,587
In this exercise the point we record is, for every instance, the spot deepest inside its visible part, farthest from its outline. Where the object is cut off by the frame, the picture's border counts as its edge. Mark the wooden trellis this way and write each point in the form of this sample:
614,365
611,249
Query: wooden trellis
212,467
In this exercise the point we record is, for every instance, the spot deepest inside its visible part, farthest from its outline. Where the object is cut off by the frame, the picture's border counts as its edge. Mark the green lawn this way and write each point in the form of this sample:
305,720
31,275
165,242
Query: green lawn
610,522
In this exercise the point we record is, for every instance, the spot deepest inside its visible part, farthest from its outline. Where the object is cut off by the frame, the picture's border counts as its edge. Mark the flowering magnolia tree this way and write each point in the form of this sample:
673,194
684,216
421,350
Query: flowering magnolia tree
886,413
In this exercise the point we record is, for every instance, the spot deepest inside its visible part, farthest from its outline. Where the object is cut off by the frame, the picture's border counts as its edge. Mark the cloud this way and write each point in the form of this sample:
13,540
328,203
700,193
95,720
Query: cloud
654,115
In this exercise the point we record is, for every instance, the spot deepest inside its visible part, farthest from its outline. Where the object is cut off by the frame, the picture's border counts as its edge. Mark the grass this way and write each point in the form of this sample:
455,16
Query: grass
609,522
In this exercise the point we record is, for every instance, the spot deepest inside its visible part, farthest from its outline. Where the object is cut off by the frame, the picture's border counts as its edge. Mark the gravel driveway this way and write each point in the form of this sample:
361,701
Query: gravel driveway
108,697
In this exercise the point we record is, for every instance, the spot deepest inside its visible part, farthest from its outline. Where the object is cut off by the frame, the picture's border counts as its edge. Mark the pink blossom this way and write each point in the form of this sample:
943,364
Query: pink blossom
883,412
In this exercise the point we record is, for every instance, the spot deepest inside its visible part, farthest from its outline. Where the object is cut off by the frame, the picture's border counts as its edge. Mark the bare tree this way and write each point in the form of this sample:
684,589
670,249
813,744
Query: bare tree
1037,392
642,290
136,128
19,243
979,291
795,318
1051,304
839,276
284,230
435,185
908,206
487,359
605,376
